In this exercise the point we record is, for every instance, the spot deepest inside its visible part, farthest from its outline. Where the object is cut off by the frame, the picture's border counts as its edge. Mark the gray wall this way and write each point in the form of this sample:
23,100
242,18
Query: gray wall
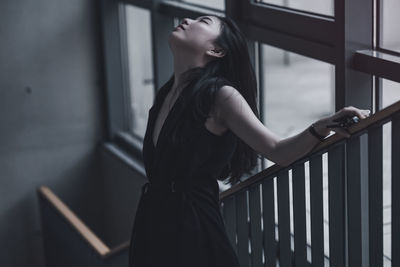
51,115
123,186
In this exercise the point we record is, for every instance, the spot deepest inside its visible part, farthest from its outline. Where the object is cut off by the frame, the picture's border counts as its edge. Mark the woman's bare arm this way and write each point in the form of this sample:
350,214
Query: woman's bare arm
233,111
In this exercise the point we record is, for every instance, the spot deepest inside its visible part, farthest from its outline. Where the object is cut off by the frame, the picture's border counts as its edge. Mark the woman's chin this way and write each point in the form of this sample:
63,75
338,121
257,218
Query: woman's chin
174,38
175,32
173,41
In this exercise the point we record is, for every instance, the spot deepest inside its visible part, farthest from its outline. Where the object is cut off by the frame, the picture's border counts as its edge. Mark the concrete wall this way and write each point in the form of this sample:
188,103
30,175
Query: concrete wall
52,117
123,186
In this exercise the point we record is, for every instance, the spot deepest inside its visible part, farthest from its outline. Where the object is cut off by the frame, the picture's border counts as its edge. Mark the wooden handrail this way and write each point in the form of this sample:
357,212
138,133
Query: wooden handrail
117,249
82,229
378,117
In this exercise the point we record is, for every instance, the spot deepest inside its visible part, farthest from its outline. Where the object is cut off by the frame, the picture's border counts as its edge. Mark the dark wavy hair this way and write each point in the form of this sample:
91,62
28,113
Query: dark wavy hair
234,69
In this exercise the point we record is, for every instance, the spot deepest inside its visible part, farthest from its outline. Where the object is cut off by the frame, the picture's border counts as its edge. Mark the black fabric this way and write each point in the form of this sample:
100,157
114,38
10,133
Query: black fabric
178,221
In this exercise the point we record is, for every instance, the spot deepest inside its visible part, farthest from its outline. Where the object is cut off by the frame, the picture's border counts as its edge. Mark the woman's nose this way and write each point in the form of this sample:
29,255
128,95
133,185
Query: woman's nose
185,21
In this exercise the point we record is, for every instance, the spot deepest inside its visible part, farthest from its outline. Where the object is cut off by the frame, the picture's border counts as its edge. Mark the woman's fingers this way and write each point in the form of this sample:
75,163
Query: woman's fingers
348,111
360,113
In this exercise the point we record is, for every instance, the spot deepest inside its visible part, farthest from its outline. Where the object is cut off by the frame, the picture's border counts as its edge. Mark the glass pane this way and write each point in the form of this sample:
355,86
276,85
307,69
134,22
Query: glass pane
325,7
390,92
297,91
390,25
140,71
218,4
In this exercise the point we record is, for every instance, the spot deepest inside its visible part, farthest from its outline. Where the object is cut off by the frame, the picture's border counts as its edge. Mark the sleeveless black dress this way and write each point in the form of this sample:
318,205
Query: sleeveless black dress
178,221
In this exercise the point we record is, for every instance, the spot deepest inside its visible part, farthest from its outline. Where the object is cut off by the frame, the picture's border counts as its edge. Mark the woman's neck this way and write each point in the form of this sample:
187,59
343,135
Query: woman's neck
180,66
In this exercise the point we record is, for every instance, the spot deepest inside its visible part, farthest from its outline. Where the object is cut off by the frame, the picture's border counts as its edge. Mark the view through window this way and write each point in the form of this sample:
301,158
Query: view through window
140,67
325,7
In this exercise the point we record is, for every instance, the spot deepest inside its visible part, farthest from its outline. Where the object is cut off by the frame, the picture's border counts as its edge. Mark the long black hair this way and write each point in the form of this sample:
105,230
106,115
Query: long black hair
234,69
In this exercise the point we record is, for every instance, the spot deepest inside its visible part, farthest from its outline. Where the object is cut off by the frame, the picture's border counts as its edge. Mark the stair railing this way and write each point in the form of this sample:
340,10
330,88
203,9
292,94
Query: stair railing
355,203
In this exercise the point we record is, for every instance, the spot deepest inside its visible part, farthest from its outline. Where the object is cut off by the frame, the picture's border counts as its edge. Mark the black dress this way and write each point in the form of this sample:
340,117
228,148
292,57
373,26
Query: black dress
178,221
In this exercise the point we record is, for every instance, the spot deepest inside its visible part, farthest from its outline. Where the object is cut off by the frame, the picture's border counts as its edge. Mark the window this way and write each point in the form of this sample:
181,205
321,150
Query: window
390,92
297,91
217,4
140,86
325,7
390,25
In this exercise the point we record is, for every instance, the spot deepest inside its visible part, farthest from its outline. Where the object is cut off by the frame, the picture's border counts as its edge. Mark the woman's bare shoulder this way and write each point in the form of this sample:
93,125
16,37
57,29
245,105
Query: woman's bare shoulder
221,95
236,114
227,98
226,92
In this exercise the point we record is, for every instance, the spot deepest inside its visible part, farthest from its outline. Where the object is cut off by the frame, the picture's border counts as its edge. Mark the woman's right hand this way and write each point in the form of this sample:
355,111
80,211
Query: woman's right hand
348,111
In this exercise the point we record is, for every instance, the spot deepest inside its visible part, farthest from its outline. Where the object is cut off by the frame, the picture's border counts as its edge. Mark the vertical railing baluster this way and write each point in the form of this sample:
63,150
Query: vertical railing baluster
395,190
354,201
284,219
268,207
229,215
255,226
356,208
299,213
336,187
375,165
242,228
316,210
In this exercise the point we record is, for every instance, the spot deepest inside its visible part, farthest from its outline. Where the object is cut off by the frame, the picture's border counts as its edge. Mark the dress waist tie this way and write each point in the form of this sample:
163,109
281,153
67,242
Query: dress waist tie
172,187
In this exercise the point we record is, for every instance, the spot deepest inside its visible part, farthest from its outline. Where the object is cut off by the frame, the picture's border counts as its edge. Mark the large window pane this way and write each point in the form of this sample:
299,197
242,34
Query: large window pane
325,7
140,72
297,91
390,24
218,4
390,92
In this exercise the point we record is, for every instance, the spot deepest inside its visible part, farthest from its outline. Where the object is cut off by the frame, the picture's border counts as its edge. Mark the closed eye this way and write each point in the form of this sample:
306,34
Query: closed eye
204,18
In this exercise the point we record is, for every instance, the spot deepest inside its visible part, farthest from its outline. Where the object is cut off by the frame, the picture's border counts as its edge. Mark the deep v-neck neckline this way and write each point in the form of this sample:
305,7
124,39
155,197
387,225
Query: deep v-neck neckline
163,126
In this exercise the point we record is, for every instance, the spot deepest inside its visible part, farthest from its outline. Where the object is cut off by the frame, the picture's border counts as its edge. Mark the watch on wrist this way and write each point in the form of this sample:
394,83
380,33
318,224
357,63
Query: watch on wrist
314,132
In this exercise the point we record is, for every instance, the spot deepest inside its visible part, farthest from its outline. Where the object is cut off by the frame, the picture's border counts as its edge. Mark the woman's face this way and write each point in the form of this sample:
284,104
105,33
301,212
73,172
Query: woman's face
195,35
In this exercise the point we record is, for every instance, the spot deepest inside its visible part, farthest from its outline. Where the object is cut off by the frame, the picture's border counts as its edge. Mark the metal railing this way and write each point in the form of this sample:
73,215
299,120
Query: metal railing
355,203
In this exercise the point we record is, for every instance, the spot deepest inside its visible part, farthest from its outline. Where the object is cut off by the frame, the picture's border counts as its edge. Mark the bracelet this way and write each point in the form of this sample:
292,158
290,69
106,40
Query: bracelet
314,132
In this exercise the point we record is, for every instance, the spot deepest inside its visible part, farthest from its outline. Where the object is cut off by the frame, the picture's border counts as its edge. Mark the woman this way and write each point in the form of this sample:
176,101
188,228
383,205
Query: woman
203,127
